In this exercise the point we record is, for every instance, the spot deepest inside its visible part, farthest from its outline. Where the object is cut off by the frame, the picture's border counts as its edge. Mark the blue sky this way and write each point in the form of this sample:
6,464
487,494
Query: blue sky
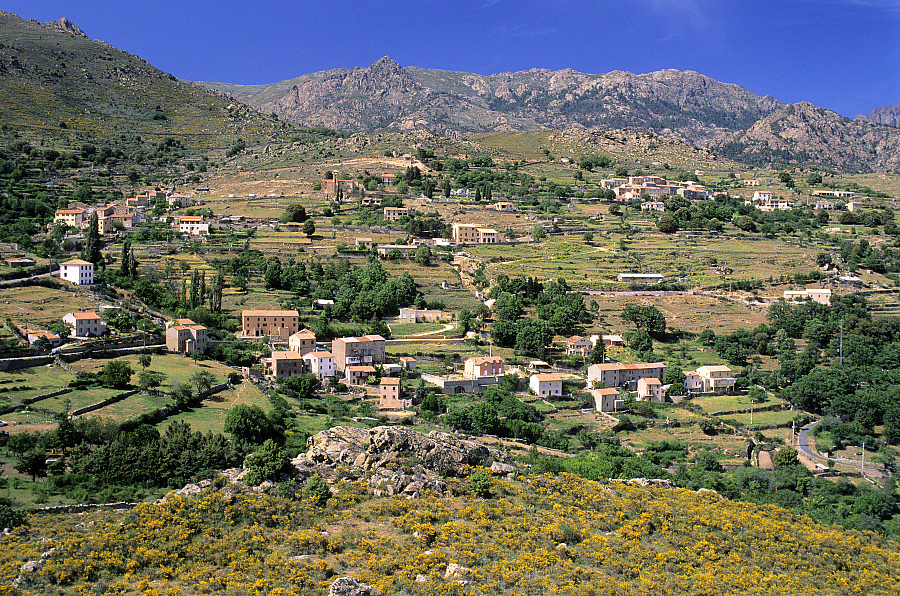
842,55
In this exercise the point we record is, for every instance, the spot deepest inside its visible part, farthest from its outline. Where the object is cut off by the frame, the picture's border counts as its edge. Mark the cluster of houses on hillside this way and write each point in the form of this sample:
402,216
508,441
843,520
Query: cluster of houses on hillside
355,360
652,189
130,214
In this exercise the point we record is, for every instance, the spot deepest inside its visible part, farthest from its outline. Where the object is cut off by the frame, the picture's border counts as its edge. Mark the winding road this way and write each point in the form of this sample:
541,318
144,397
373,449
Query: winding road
804,448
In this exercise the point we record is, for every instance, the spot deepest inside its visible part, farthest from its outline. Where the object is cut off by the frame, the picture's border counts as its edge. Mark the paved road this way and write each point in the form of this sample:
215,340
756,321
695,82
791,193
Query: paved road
804,448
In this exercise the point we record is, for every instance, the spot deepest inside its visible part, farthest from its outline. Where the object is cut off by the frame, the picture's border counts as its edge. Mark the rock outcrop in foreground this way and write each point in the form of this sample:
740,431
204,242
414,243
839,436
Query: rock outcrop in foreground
427,458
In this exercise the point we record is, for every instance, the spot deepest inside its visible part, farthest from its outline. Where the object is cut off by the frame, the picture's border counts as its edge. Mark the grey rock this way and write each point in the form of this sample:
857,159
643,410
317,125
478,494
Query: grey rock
350,586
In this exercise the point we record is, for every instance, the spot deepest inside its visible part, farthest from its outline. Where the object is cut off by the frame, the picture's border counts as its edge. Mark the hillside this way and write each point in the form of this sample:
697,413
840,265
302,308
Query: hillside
802,133
57,84
535,535
684,106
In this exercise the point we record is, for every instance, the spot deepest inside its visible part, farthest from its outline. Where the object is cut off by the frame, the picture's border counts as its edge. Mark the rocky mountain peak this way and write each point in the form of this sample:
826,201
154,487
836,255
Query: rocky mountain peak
889,115
66,26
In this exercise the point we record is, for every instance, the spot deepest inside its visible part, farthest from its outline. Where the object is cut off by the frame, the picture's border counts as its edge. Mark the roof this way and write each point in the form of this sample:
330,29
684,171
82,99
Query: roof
84,315
484,359
606,391
304,333
320,354
651,381
361,368
270,313
390,381
69,211
407,359
639,366
286,355
576,338
548,377
76,262
715,368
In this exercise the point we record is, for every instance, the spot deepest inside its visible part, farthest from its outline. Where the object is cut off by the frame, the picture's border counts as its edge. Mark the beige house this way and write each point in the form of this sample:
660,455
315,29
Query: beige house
395,213
822,296
854,206
545,385
414,315
85,324
302,342
623,375
581,346
613,341
73,218
390,396
483,366
653,206
284,364
185,336
404,249
408,362
78,272
488,236
651,389
364,244
607,399
368,349
692,381
504,206
465,233
264,323
193,225
716,379
357,375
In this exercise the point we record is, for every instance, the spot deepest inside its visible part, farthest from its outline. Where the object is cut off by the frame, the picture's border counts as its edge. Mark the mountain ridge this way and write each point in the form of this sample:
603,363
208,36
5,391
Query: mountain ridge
684,105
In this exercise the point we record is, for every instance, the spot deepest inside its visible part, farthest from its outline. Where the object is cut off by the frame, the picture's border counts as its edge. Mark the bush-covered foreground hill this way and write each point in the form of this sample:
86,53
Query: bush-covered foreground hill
619,539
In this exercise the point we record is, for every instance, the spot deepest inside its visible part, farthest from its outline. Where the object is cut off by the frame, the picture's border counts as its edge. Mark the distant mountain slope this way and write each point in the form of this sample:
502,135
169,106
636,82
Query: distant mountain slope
685,106
802,133
889,115
57,82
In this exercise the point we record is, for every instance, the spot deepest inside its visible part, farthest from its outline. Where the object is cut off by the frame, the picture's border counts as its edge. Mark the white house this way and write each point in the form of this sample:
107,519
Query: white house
546,384
78,272
321,364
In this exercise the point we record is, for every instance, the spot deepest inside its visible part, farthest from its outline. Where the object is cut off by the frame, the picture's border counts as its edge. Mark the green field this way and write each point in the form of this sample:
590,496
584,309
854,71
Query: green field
210,417
713,404
404,329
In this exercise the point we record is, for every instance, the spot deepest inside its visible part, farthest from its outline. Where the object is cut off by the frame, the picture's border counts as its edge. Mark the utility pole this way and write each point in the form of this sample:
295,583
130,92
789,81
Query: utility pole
842,343
863,469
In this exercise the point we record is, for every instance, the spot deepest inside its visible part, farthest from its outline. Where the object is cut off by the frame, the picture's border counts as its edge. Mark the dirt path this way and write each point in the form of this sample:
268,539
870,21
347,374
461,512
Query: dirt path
447,327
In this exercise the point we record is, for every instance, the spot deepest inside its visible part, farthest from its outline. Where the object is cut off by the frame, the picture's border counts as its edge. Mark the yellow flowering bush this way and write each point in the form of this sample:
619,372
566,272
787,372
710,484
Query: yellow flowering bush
559,535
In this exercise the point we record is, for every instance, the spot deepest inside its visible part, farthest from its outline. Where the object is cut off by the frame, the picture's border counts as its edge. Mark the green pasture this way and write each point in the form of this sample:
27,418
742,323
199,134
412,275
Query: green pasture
210,416
713,404
765,418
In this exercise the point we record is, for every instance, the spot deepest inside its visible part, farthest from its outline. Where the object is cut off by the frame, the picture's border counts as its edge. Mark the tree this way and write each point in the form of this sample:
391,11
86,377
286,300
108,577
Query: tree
645,317
615,209
317,490
309,228
423,255
823,259
480,483
33,463
265,463
538,233
116,374
91,252
667,224
150,379
203,380
814,178
144,360
294,213
784,457
248,423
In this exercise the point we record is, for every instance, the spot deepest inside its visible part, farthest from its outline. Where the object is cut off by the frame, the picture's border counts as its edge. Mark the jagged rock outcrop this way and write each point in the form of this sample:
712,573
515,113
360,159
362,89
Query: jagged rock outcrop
66,26
426,458
802,133
889,115
370,449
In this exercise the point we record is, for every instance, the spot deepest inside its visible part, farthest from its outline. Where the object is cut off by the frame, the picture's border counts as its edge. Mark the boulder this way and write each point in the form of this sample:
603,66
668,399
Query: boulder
350,586
457,572
369,449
